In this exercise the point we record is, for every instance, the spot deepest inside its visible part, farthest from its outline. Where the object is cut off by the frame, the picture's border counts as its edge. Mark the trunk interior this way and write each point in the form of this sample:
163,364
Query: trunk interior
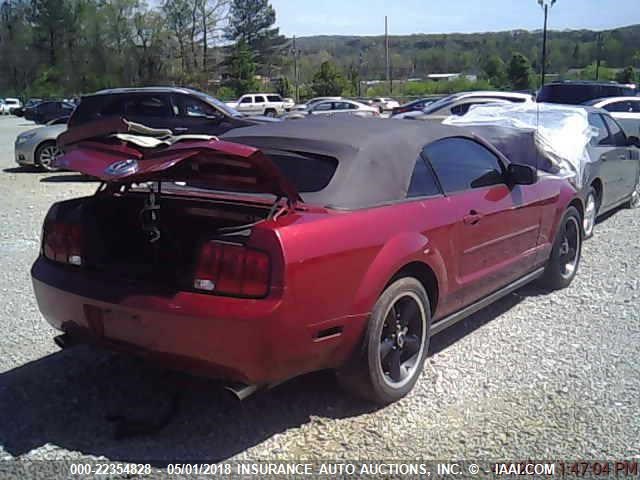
119,232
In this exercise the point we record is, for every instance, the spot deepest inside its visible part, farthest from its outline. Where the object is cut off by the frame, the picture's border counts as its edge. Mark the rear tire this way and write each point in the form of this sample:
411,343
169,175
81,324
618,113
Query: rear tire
46,154
565,256
591,207
395,345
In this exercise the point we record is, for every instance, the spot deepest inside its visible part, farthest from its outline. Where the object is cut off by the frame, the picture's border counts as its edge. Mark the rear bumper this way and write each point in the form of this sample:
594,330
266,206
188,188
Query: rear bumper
251,341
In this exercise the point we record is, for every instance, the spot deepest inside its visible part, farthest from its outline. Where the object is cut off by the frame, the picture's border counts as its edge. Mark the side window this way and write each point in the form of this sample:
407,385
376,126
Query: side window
322,107
259,99
462,164
274,98
246,100
149,106
341,106
114,107
461,109
191,107
619,139
603,134
618,107
635,106
423,182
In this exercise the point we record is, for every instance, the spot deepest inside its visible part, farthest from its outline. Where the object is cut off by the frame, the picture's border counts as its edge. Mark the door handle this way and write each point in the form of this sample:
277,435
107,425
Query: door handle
472,218
180,129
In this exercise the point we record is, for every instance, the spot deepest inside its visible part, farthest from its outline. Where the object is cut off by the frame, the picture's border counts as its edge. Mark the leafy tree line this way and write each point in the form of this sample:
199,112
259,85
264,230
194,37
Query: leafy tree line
485,54
54,48
57,48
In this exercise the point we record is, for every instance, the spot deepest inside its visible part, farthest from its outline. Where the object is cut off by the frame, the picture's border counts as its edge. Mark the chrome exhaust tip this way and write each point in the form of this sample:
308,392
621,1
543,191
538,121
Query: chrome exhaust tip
241,391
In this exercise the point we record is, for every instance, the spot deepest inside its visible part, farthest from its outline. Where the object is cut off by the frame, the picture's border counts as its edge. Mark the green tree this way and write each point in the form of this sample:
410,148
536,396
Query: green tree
627,75
252,22
519,72
49,18
242,69
283,87
328,81
495,70
353,77
226,93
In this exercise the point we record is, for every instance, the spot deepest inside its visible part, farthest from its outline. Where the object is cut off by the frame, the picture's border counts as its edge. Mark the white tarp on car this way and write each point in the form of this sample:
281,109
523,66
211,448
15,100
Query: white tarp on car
561,132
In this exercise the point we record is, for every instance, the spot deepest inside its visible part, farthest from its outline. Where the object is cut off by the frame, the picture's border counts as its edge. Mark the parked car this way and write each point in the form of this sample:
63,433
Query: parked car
9,104
576,92
383,104
44,112
459,104
626,111
288,103
310,103
267,104
38,147
414,106
335,107
181,110
298,246
20,111
612,178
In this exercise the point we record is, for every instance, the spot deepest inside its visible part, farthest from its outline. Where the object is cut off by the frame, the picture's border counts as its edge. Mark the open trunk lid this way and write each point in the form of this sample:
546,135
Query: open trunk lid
107,150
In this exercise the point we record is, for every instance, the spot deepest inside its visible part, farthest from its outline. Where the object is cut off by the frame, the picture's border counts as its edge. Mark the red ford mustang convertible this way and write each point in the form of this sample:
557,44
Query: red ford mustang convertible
297,246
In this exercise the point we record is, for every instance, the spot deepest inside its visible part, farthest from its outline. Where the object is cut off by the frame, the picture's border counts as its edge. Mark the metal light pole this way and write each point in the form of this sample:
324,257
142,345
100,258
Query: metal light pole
386,51
295,69
599,55
546,5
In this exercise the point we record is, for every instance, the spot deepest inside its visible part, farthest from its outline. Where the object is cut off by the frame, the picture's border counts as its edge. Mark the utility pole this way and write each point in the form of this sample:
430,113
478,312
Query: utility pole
545,4
295,70
386,47
360,74
599,51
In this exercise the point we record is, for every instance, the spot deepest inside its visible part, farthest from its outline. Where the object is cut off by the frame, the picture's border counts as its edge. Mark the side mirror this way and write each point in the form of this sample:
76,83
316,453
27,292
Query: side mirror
633,142
521,174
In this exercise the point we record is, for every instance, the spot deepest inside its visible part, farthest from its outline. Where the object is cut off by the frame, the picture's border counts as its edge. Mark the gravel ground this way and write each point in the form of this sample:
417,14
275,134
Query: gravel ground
534,376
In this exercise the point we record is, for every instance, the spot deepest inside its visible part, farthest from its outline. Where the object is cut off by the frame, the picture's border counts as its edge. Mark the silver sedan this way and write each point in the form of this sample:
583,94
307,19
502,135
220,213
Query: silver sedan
38,147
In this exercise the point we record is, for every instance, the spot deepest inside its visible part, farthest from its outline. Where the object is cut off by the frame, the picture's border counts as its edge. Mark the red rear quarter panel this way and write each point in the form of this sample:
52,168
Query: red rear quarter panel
338,264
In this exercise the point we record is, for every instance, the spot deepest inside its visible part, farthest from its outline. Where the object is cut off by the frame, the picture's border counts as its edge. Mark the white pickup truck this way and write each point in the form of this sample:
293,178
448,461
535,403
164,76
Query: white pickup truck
267,104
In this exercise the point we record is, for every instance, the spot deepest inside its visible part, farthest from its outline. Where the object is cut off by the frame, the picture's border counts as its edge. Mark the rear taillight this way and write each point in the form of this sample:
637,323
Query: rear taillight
63,242
230,269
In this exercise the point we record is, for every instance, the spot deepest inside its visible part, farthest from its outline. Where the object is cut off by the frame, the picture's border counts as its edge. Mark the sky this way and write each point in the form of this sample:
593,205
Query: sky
366,17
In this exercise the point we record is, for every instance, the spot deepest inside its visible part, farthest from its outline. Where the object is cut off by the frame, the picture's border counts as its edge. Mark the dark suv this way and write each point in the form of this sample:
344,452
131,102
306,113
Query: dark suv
578,92
44,112
181,110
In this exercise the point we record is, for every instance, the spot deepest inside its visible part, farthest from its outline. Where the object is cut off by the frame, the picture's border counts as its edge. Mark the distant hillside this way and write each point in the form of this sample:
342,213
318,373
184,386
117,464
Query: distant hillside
419,55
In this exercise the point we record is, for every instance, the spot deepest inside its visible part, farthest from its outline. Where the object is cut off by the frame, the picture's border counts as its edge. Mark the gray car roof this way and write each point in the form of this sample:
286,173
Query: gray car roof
116,91
376,157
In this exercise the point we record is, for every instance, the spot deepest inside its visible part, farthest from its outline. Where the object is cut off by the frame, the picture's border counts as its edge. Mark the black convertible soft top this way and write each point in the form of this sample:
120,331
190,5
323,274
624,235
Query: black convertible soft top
376,157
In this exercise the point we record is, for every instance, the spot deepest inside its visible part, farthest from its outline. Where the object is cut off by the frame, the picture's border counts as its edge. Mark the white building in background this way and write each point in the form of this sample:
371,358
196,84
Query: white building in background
448,77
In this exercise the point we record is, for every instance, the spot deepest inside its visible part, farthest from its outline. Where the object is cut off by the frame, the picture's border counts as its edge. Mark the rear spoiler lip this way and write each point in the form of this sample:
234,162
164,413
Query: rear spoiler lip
86,154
